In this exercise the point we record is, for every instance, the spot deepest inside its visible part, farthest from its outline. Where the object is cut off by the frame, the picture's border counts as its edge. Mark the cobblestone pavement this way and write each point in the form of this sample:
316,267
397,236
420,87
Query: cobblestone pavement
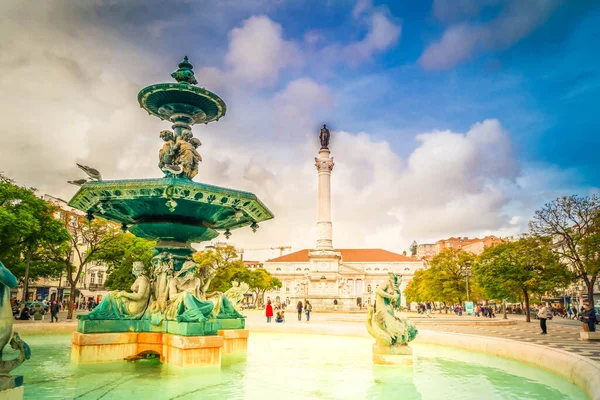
560,336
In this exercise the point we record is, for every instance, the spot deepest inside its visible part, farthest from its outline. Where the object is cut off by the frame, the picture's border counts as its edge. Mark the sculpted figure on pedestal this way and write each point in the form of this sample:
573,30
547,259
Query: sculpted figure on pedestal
162,275
8,281
120,304
324,137
185,303
383,325
236,293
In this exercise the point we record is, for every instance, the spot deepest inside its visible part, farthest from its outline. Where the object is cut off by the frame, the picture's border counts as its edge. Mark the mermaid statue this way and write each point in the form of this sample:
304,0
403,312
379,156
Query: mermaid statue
120,304
383,325
8,281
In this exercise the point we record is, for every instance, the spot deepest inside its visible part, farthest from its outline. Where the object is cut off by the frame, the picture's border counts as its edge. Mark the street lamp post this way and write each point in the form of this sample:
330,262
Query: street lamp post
504,307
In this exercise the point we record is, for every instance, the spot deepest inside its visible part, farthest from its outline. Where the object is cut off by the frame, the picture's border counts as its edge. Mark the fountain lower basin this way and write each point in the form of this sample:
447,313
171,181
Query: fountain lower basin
294,366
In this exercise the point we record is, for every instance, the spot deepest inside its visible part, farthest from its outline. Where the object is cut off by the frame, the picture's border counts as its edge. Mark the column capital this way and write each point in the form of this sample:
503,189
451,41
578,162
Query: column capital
324,164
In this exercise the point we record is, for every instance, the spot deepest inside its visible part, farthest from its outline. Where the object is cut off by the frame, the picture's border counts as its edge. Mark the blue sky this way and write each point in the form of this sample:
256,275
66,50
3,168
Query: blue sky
450,117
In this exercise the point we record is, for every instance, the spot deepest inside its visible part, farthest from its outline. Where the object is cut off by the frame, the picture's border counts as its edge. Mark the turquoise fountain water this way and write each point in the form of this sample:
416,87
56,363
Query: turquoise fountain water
292,367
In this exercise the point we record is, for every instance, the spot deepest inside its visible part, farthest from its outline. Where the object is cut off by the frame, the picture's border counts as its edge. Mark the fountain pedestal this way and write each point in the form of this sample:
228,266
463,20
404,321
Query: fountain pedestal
398,354
11,387
235,341
182,351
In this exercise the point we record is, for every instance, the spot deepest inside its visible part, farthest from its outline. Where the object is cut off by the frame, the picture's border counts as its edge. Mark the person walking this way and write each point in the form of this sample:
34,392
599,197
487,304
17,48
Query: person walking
334,304
428,307
589,317
542,315
299,308
54,311
307,310
269,311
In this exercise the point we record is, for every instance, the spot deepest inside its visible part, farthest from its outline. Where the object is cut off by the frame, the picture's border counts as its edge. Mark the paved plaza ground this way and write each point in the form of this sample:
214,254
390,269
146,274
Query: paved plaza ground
562,334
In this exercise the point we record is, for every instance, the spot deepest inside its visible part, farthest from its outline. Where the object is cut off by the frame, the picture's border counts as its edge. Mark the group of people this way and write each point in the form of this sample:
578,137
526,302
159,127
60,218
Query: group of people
587,316
305,307
36,311
485,312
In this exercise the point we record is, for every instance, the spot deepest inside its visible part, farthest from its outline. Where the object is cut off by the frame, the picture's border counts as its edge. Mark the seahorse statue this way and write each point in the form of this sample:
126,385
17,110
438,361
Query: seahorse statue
7,281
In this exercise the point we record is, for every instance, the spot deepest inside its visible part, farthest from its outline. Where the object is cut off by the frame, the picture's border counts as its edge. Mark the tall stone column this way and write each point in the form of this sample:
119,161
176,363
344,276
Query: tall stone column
324,164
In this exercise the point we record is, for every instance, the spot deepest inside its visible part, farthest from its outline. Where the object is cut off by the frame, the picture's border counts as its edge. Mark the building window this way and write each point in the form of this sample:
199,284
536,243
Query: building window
307,269
92,278
100,277
277,269
369,288
376,269
298,269
407,269
368,269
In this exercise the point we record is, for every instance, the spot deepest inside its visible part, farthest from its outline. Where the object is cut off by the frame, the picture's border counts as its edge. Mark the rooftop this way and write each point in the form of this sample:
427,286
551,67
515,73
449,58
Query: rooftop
349,256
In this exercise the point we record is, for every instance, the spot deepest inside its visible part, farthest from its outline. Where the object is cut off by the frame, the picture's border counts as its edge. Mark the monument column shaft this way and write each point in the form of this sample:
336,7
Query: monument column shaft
324,164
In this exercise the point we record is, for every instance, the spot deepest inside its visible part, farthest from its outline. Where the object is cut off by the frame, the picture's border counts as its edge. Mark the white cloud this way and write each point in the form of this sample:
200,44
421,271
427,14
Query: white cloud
258,52
74,100
382,35
461,40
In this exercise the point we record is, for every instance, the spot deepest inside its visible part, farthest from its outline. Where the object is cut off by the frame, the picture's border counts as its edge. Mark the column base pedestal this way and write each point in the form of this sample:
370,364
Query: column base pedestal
392,355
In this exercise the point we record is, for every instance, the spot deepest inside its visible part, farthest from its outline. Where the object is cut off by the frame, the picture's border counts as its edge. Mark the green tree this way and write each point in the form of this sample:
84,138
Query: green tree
262,281
521,269
227,265
119,255
87,239
573,222
27,227
447,277
413,248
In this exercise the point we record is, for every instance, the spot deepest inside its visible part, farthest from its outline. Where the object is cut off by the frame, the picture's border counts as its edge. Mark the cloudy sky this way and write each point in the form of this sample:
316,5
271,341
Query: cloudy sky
449,117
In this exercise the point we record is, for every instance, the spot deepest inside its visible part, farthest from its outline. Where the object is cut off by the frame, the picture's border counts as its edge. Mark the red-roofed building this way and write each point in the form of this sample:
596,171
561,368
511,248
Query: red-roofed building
358,274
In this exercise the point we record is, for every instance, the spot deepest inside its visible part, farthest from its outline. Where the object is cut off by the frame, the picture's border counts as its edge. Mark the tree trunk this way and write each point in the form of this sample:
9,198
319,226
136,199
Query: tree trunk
70,302
590,290
26,280
526,297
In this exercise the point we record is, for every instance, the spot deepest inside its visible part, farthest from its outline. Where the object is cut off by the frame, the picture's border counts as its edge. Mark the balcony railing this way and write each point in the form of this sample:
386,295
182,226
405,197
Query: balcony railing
96,286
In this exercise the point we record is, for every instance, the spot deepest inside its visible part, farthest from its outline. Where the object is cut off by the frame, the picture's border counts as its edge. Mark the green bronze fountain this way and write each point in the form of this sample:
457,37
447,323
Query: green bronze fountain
174,211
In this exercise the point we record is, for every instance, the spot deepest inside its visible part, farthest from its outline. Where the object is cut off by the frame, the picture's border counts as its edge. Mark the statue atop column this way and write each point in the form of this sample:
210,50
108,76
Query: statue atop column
324,137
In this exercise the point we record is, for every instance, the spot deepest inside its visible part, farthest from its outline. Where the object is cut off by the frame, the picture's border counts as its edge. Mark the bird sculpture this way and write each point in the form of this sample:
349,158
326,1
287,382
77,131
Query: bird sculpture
173,169
91,172
78,182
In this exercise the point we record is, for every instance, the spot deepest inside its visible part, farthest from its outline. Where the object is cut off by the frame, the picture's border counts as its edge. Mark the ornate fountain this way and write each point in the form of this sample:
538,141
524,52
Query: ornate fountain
169,311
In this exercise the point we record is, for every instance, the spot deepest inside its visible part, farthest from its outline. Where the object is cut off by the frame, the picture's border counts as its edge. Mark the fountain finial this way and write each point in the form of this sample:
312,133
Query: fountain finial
185,74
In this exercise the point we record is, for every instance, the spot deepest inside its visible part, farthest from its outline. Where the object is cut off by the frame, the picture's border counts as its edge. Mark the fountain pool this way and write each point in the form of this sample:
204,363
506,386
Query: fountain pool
291,366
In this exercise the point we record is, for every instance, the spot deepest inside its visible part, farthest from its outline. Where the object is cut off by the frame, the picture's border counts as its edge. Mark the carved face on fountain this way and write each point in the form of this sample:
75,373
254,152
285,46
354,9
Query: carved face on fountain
138,268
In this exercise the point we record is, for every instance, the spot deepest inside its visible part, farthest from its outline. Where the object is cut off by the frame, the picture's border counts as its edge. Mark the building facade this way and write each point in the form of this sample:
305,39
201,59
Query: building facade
352,281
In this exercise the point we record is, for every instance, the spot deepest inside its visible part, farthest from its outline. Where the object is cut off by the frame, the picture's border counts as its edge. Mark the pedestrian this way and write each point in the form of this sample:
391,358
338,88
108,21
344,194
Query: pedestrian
428,306
269,311
570,312
589,317
307,309
299,308
54,311
334,304
542,315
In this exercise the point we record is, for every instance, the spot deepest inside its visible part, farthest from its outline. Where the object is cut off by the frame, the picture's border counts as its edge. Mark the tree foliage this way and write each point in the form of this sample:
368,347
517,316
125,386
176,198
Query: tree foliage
27,227
119,255
521,269
445,280
87,240
573,223
230,267
413,248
